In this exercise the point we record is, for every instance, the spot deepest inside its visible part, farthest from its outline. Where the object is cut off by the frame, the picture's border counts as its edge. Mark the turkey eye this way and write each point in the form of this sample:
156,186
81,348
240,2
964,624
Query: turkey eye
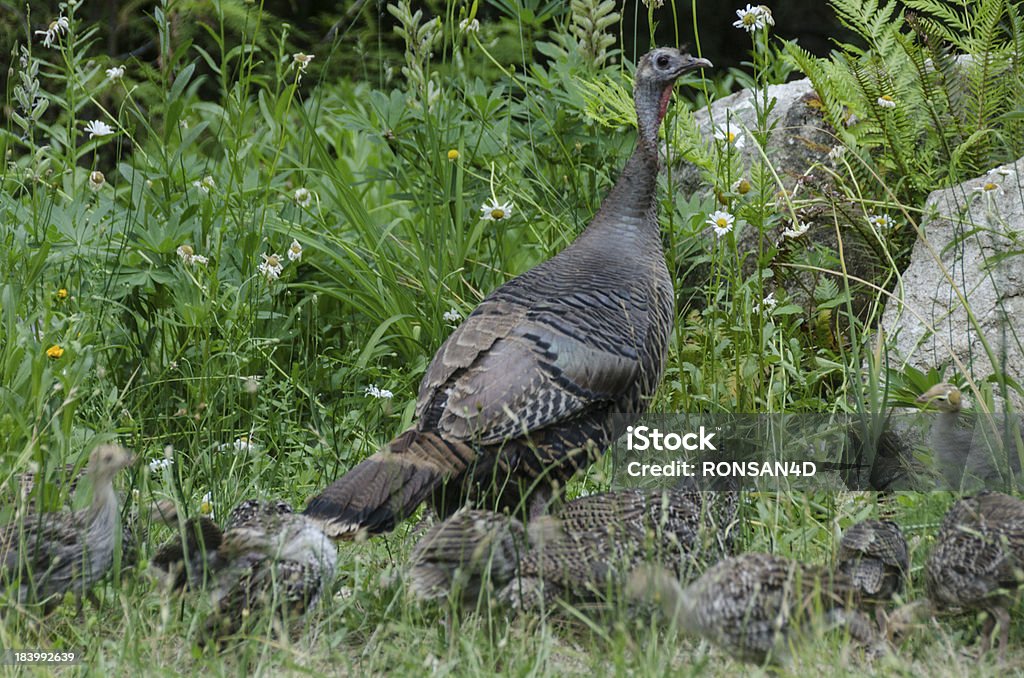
663,61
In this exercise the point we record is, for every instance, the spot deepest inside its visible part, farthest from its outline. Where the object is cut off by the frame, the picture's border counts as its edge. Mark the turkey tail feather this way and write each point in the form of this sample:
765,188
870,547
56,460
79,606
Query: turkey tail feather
386,488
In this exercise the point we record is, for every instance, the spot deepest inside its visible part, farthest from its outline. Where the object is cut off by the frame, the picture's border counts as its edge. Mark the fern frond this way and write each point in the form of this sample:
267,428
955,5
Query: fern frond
607,102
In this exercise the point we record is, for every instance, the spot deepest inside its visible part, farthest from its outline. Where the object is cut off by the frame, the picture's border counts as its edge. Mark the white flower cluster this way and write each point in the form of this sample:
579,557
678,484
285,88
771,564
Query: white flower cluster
373,391
189,257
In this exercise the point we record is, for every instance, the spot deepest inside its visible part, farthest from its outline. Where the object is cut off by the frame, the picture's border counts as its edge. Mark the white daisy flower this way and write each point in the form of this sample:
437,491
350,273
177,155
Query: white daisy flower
987,188
98,128
721,221
886,101
303,197
750,19
797,231
206,505
881,222
57,28
741,186
295,251
373,391
495,211
730,134
271,267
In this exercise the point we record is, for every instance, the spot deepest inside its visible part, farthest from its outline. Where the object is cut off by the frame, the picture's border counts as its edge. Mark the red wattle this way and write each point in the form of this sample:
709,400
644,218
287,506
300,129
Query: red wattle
665,96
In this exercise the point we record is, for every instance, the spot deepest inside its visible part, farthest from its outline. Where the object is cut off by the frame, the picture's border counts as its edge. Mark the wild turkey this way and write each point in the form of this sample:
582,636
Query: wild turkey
978,561
45,555
548,369
583,552
267,557
874,555
270,556
184,560
67,478
466,553
586,551
755,605
969,458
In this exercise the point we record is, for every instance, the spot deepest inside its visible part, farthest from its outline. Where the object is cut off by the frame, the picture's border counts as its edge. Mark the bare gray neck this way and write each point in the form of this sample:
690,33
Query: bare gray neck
629,211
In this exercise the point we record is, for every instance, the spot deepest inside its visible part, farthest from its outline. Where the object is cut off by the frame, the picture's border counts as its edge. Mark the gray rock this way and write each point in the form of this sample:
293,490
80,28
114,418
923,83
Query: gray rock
799,142
969,258
800,139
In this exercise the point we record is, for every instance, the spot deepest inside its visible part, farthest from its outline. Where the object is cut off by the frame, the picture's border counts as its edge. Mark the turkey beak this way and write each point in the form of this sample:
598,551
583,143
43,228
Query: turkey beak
695,63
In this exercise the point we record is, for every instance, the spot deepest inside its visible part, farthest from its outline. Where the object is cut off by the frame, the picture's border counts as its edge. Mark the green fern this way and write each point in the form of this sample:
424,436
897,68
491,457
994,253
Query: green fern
953,115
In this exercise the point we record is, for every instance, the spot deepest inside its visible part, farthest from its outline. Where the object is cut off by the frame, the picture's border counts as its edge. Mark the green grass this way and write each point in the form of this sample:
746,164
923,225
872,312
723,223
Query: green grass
183,360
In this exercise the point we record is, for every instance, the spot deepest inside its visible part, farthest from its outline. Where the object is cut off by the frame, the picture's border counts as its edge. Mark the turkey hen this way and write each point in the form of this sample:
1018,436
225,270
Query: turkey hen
547,371
45,555
978,561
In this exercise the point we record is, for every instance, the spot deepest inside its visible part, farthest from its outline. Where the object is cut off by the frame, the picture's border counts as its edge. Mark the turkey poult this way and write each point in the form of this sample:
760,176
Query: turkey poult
874,555
968,459
978,561
269,556
753,606
547,371
45,555
470,551
266,557
584,551
184,560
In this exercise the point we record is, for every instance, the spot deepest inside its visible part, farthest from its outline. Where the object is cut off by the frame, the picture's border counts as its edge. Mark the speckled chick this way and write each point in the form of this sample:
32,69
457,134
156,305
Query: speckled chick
874,555
45,555
978,561
269,557
471,551
753,606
